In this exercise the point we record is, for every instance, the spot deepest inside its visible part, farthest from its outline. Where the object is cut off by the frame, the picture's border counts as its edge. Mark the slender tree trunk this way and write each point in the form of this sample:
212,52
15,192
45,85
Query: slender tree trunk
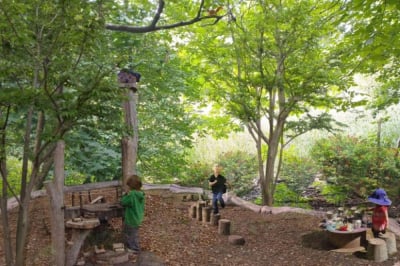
3,204
22,226
4,195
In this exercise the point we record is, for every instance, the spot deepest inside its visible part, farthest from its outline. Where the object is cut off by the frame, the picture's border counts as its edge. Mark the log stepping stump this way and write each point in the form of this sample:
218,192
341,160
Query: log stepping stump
200,206
206,214
377,250
390,240
236,240
193,211
214,218
224,227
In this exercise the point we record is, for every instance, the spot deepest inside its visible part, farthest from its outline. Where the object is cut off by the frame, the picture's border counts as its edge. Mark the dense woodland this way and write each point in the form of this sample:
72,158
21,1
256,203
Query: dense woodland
269,77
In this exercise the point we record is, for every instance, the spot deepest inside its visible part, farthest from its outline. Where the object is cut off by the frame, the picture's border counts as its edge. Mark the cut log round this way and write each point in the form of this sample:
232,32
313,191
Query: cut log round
236,240
377,250
224,227
200,206
193,211
214,219
390,240
206,213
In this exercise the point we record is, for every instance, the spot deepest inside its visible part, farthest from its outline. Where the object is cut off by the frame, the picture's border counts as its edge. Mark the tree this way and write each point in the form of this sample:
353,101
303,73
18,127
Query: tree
274,67
372,30
51,76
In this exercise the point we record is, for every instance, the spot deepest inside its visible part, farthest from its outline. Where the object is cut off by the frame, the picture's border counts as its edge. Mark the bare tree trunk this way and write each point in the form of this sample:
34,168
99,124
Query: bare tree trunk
22,226
55,190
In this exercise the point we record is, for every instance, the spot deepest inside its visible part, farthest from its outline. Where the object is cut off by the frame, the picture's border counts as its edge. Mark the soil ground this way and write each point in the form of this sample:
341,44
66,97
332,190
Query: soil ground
168,232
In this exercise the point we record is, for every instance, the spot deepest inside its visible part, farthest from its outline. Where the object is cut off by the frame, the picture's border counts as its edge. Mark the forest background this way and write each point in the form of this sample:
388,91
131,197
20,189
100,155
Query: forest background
278,92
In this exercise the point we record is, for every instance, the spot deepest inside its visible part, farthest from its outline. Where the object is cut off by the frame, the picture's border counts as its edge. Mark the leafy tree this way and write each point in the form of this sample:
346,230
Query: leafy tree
52,76
271,67
372,28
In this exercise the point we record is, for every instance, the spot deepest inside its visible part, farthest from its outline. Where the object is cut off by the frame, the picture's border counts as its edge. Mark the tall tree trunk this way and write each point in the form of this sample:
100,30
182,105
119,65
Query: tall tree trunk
4,218
22,226
3,200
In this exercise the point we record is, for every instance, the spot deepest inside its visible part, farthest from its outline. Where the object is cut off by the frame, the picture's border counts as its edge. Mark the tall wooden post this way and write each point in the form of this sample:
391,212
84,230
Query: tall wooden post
129,144
55,189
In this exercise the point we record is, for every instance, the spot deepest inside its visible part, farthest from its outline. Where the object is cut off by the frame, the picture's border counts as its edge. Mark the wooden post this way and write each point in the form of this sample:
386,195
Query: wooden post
130,143
390,240
224,227
55,190
206,213
200,206
377,250
214,219
192,211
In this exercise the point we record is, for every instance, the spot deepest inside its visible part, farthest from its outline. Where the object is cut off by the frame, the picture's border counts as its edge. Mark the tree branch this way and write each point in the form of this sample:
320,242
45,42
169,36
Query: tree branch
153,25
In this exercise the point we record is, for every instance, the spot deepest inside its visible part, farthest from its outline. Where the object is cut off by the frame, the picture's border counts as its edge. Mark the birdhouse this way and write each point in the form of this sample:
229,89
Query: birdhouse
128,79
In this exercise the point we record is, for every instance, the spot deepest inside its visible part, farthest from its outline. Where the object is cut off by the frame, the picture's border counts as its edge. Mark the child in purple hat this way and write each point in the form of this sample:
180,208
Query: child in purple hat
380,217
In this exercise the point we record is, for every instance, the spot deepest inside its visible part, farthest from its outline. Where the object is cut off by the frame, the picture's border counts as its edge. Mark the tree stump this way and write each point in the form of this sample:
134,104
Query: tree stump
192,211
390,240
214,219
377,250
236,240
224,227
206,213
200,206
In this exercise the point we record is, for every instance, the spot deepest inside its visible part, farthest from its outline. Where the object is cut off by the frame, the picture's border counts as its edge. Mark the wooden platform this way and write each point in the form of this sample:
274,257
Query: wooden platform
348,239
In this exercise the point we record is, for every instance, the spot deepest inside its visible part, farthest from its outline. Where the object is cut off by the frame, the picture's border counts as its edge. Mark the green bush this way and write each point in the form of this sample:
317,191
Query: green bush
355,166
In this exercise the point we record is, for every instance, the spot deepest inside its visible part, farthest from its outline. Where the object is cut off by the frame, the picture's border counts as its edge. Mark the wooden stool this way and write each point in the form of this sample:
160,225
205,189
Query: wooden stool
214,219
206,214
377,250
236,240
390,240
224,227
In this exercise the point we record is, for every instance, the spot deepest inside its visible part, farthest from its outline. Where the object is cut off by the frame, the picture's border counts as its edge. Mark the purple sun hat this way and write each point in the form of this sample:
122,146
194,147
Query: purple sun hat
380,197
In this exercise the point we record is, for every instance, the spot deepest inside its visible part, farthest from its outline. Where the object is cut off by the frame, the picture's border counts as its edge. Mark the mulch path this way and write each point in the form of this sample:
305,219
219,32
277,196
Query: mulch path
169,233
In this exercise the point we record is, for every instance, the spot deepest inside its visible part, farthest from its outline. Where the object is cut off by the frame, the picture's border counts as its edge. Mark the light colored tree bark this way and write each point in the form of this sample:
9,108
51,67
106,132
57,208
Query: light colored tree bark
55,190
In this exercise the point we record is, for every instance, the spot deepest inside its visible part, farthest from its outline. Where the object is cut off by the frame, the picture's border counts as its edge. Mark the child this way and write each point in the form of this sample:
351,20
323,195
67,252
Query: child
380,217
133,203
218,187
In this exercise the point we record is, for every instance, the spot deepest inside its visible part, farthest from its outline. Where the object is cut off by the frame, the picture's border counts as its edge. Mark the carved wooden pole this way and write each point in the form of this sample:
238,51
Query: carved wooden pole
55,189
127,80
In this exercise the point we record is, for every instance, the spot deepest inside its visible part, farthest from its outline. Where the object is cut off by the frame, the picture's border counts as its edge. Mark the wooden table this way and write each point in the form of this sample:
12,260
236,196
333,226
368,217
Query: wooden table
348,239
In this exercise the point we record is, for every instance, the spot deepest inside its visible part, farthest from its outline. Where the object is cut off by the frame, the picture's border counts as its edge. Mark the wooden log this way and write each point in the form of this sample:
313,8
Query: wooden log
377,250
390,240
206,214
224,227
214,219
236,240
193,211
200,206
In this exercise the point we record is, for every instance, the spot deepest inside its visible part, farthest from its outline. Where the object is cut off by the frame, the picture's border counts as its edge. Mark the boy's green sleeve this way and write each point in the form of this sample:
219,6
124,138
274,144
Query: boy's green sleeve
125,200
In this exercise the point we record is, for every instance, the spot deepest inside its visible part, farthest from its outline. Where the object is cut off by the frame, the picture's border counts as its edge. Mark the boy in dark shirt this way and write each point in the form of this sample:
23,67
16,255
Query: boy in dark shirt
218,187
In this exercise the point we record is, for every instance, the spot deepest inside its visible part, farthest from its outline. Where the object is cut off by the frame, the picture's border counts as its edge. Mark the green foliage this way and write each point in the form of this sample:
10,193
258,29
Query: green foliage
284,196
14,168
355,166
297,172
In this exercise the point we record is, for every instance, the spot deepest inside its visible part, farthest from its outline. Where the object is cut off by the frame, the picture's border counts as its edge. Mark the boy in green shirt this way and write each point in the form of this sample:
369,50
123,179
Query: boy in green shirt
133,203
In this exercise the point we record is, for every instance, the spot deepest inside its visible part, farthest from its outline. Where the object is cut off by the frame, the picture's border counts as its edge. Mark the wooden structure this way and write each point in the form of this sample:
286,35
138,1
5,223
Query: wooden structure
224,227
377,250
348,239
